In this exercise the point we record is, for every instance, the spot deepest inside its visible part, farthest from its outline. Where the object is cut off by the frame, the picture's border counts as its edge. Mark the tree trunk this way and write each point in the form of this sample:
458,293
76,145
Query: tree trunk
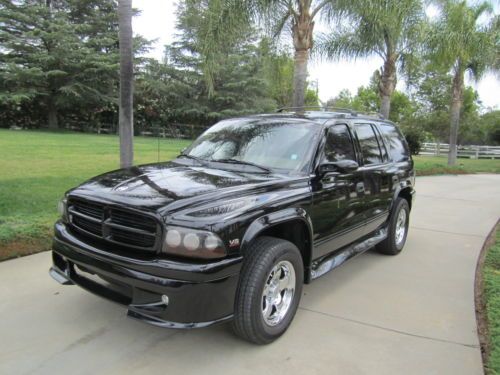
300,78
456,106
126,124
387,84
52,120
302,29
385,105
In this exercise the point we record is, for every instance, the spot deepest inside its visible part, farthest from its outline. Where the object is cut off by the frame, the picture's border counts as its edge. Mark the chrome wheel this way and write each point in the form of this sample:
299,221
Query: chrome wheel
278,293
400,227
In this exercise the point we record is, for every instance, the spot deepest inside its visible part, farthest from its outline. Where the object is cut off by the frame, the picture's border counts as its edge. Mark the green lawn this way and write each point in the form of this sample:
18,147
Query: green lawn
491,279
37,167
433,165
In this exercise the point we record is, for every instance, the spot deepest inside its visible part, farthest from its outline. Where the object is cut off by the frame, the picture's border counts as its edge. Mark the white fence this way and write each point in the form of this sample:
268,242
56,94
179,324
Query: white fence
470,152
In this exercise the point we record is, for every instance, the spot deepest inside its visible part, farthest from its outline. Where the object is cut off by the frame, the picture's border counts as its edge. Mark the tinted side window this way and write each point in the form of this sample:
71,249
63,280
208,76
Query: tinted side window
381,143
369,144
397,144
339,144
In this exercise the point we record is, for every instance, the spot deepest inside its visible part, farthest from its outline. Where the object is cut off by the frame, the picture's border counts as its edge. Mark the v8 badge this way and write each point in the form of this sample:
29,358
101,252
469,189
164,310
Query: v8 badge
234,243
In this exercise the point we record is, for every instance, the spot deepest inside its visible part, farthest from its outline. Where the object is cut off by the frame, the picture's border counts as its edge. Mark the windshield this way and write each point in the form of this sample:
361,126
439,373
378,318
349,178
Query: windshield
272,144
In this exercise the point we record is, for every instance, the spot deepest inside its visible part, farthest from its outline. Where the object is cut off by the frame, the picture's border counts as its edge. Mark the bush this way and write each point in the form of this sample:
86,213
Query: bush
414,138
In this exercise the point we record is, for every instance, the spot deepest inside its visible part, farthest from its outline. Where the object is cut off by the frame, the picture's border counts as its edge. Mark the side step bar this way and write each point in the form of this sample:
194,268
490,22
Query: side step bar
328,263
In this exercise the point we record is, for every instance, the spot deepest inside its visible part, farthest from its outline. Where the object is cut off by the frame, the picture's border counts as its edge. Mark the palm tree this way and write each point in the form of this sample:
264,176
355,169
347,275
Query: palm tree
387,28
126,120
461,44
294,16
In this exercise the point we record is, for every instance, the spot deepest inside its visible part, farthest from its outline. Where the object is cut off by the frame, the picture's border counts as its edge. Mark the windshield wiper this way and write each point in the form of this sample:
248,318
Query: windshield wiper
242,162
199,160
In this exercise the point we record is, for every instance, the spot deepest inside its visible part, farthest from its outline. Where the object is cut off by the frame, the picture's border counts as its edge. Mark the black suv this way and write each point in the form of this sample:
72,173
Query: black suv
233,227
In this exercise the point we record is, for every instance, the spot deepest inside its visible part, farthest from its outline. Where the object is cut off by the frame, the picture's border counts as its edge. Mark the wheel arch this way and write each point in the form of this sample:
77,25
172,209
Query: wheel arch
291,224
404,190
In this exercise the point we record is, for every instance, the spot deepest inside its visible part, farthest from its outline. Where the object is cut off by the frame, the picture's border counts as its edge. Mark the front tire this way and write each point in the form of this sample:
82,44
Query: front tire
269,290
397,229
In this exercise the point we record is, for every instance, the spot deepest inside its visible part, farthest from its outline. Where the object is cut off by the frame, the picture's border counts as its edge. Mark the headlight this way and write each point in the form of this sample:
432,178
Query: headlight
62,208
193,243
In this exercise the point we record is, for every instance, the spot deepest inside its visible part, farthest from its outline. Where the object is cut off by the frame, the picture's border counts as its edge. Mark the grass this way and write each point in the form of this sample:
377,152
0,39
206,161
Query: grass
37,167
437,165
491,280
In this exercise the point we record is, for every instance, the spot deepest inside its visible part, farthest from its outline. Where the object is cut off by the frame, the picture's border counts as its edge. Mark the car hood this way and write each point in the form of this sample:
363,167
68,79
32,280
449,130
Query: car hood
170,186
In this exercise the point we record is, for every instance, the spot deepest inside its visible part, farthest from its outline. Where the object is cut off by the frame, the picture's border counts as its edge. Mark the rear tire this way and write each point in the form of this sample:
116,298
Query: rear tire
397,229
269,290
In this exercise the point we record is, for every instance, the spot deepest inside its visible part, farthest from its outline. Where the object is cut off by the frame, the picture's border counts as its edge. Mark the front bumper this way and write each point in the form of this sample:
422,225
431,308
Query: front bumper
161,292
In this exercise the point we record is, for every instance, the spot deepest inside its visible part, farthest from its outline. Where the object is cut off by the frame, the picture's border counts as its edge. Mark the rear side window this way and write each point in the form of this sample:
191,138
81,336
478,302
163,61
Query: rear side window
397,145
369,144
339,144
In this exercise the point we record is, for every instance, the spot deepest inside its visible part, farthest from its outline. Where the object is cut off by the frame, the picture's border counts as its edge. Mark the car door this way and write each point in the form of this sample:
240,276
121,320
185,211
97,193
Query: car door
337,214
378,171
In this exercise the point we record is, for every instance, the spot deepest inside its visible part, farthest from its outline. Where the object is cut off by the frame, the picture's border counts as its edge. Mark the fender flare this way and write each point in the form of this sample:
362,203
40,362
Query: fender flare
274,218
403,185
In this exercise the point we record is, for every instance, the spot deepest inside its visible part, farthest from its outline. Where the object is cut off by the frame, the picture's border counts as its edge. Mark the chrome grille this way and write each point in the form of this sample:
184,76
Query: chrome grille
129,229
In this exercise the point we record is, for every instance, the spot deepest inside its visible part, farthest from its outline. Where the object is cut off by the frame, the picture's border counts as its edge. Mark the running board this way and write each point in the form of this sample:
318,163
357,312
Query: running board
322,266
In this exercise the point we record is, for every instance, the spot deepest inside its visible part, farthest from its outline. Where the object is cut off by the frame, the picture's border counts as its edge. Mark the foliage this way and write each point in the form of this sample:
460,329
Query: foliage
489,128
425,115
175,90
491,277
414,137
461,43
225,18
57,56
393,30
82,92
367,100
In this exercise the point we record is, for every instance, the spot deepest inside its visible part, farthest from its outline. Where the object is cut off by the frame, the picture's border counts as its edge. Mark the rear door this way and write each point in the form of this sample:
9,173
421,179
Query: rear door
378,172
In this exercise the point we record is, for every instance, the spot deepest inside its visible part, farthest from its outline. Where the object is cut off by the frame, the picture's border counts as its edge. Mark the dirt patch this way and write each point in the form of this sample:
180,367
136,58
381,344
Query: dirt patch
19,248
479,298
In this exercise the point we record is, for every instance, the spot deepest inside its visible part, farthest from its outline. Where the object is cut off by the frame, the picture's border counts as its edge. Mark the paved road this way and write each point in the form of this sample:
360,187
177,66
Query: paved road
411,314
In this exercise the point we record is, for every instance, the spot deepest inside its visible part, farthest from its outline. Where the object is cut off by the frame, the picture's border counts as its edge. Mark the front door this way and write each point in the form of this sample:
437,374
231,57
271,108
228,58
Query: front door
337,214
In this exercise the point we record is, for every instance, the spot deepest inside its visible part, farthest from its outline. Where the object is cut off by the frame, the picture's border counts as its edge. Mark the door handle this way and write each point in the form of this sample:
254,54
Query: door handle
360,187
330,177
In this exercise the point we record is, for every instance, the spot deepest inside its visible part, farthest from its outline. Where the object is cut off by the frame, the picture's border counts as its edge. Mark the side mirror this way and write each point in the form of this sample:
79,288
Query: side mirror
342,166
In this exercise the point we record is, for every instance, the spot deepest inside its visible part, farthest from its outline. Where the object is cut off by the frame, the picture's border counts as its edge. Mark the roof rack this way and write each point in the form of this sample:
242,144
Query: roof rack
334,109
379,115
321,108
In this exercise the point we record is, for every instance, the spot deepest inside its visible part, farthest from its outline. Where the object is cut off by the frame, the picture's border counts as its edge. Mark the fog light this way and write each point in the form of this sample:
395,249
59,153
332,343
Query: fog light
191,241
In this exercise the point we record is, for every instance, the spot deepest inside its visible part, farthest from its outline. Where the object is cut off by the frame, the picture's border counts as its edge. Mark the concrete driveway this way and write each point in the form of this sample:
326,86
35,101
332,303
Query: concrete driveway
411,314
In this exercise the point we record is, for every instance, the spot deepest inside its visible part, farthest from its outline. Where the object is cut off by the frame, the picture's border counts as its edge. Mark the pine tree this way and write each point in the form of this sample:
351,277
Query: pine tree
58,56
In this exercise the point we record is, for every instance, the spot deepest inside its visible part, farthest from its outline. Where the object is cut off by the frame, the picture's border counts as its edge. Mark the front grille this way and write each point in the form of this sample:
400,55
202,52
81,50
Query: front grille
124,218
87,225
117,226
